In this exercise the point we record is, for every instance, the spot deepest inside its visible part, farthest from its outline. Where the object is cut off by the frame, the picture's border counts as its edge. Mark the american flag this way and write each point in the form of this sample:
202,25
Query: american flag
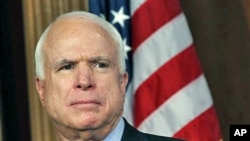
167,93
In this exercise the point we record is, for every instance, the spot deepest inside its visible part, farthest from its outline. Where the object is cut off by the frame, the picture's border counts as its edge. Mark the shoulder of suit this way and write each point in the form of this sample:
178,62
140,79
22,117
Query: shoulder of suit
160,138
134,134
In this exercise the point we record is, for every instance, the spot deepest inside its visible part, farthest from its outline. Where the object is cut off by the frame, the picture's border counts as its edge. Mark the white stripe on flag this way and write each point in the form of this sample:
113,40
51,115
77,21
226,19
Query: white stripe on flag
180,109
135,4
128,105
159,48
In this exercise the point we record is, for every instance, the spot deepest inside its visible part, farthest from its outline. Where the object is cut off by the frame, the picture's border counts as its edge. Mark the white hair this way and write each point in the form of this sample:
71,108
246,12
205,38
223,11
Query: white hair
39,52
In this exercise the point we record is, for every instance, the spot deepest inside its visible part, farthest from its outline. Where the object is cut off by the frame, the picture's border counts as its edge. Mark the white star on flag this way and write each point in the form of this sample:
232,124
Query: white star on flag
119,17
126,47
102,16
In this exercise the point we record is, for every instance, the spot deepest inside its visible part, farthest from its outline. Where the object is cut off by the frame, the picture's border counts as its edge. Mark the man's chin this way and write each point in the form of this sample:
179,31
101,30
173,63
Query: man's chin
87,124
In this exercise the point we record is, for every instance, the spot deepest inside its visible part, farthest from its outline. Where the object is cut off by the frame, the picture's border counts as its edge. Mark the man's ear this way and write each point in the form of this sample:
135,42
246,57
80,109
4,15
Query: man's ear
40,89
124,82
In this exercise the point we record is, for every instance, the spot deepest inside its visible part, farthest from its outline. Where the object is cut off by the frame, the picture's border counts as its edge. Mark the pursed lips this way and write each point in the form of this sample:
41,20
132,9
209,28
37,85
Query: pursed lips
85,102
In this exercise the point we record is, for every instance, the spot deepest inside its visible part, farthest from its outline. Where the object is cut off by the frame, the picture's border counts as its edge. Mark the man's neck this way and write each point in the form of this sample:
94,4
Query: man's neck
69,134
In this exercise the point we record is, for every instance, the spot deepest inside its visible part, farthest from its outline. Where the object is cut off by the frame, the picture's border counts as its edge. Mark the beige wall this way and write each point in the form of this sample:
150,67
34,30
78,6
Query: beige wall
37,16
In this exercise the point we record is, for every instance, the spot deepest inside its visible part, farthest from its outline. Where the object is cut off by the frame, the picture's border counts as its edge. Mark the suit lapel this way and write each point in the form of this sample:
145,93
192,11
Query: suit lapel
131,134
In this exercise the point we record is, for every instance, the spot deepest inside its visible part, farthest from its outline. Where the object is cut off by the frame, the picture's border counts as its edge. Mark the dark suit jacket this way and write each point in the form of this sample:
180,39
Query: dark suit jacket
132,134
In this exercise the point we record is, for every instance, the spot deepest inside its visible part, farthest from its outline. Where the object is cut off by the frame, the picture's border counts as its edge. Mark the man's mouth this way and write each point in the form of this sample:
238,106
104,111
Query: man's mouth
85,103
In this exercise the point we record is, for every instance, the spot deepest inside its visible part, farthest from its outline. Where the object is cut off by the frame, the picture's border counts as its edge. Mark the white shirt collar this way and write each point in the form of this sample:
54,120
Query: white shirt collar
116,134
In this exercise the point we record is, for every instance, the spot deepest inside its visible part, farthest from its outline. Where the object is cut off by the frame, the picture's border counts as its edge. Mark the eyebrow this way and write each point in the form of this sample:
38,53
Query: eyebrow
99,58
63,62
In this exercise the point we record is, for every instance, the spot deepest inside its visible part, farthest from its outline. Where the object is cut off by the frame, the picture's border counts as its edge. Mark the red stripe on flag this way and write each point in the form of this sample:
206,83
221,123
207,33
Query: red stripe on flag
203,128
165,82
150,16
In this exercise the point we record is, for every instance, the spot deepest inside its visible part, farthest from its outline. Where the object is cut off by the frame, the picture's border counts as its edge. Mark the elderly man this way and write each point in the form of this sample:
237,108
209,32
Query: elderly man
81,80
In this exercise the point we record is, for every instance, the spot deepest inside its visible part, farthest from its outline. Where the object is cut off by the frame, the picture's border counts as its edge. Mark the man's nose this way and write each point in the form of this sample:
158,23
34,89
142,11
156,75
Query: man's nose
84,79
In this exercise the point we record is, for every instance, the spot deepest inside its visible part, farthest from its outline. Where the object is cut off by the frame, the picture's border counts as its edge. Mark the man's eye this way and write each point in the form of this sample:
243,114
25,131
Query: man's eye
100,67
67,67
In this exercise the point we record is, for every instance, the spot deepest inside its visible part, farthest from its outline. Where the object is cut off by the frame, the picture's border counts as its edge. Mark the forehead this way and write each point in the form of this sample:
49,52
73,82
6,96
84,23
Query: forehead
76,27
69,33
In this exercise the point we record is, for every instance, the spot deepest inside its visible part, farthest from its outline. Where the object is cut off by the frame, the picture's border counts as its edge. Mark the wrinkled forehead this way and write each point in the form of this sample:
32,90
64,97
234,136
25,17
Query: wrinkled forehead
76,26
71,31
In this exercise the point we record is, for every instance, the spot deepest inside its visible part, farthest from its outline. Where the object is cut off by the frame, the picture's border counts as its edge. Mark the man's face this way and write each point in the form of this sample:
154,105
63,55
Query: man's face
83,87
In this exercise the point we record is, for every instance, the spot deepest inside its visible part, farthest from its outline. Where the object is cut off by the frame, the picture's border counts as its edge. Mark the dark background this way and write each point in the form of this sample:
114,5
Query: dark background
221,36
13,89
